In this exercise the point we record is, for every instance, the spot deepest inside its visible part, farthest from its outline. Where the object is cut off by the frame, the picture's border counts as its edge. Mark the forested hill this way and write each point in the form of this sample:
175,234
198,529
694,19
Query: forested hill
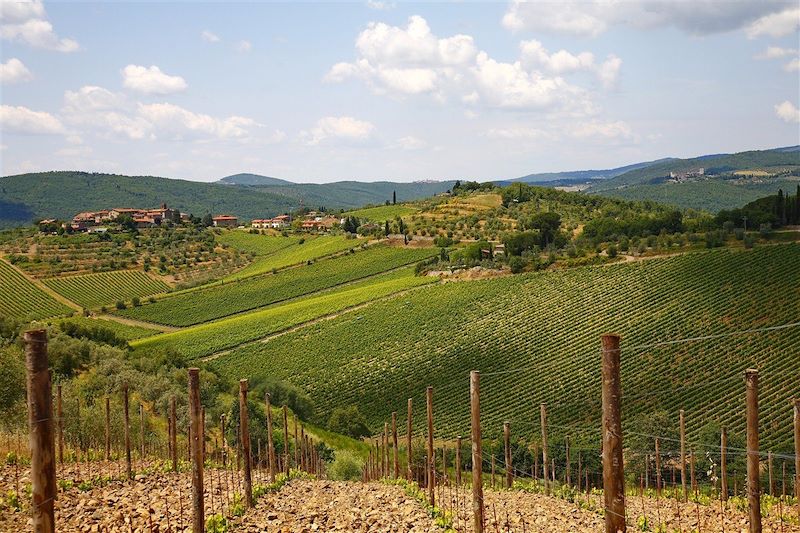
25,197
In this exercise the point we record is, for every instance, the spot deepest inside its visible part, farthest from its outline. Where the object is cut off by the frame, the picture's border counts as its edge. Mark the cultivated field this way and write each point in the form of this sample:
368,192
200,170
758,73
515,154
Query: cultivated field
20,299
106,288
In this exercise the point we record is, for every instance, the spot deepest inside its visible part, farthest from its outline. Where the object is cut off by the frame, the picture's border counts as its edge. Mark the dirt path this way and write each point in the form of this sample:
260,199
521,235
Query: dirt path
44,288
138,323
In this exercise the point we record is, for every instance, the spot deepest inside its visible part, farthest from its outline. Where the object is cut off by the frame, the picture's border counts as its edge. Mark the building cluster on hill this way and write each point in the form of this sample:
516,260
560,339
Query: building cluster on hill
279,222
678,177
311,221
142,218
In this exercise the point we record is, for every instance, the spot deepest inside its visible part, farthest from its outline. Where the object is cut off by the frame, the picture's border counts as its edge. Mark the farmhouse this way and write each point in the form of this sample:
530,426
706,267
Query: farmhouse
281,221
225,221
141,217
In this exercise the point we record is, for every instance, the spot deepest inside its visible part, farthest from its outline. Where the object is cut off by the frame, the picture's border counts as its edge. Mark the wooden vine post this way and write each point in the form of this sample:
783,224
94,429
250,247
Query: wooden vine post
60,415
270,443
796,403
244,435
543,418
173,437
507,446
108,428
409,435
285,440
127,430
196,449
458,460
40,425
723,463
613,473
567,473
753,479
141,431
431,460
682,423
477,453
394,444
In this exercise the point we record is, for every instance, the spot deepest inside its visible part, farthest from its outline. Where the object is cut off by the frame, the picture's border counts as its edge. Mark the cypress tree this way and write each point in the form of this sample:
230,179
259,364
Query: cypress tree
394,197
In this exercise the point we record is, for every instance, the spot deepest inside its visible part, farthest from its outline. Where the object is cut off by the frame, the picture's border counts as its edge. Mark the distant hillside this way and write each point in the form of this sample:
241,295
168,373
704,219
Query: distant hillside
575,177
728,180
25,197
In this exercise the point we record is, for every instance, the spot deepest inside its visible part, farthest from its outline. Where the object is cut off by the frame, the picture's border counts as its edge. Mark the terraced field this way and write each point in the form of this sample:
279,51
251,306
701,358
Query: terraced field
218,301
106,288
383,213
207,339
22,300
260,245
312,248
123,331
535,338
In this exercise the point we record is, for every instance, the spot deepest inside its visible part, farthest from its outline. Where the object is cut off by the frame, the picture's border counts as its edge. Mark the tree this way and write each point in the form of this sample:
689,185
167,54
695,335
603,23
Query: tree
208,220
394,197
349,421
386,228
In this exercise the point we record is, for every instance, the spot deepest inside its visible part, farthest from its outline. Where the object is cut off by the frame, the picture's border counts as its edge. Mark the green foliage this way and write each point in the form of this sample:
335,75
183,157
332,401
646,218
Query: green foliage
115,333
346,467
21,299
12,378
94,290
349,421
517,264
218,301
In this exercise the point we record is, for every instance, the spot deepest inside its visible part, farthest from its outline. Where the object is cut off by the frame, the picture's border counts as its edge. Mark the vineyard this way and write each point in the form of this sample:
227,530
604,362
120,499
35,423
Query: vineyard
535,337
218,301
20,299
106,288
207,339
302,251
383,213
122,331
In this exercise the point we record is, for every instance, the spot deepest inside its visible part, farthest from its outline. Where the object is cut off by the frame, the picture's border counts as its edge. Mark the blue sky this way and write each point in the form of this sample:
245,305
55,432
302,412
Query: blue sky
391,90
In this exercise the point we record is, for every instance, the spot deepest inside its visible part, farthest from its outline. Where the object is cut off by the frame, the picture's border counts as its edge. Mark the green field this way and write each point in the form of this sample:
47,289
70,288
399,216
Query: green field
383,213
206,339
22,300
218,301
257,244
106,288
123,331
312,248
536,338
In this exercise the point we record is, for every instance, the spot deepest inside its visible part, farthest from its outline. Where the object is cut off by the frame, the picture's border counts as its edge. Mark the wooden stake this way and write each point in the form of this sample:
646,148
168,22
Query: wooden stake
613,474
431,464
127,429
477,453
723,463
244,423
753,479
409,435
682,422
224,441
543,418
198,511
270,443
658,469
394,443
108,428
796,403
458,460
567,472
769,474
507,445
40,424
285,440
60,415
141,431
296,443
174,435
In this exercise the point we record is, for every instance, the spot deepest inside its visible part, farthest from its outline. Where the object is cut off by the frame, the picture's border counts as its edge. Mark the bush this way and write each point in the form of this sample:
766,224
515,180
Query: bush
121,305
348,421
136,302
517,264
611,251
346,467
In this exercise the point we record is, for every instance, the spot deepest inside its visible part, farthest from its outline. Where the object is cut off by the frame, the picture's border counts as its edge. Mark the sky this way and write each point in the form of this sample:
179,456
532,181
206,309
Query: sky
383,90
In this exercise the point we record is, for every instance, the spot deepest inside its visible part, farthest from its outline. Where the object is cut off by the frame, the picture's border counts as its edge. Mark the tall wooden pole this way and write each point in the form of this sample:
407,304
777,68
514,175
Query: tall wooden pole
507,445
40,426
198,511
394,442
127,429
108,428
682,422
285,440
567,473
771,479
613,474
796,402
409,435
224,440
244,423
753,479
431,460
141,430
173,416
477,453
270,443
543,418
458,460
60,415
723,463
296,443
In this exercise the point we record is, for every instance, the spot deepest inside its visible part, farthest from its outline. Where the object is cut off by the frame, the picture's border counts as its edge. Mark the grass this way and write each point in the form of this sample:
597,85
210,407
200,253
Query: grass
106,288
311,249
206,339
536,338
260,245
123,331
218,301
22,300
383,213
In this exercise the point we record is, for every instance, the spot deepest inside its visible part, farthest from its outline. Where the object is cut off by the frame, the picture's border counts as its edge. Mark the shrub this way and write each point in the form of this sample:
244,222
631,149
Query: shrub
121,305
346,466
349,421
517,264
611,251
136,302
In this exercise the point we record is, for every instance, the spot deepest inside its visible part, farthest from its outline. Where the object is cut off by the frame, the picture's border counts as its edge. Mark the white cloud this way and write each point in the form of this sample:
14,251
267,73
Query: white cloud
19,119
14,71
793,65
787,112
177,123
411,143
590,18
603,130
380,5
151,80
775,24
209,37
776,52
411,60
518,133
26,22
244,46
98,110
342,128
